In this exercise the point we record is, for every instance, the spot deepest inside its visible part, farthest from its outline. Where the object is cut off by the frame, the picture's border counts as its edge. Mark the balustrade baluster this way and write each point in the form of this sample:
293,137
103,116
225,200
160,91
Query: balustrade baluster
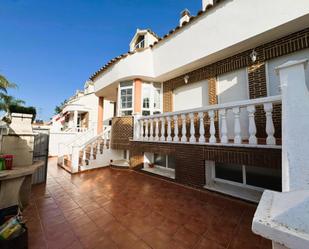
224,138
91,152
270,129
237,130
142,130
176,130
252,126
212,129
98,147
202,128
192,128
162,129
169,130
146,138
151,130
157,130
84,154
184,128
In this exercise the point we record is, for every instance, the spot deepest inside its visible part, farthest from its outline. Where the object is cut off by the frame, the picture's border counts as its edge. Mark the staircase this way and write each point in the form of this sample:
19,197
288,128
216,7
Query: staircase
88,151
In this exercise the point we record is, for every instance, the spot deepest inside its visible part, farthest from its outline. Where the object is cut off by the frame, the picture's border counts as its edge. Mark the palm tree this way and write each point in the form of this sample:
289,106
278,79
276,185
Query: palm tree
5,84
6,101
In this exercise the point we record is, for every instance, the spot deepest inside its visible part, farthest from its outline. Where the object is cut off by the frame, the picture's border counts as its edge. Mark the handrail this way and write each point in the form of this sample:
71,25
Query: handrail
230,105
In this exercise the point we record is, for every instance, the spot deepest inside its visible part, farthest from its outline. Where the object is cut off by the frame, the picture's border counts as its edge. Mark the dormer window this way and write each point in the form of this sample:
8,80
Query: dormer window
140,42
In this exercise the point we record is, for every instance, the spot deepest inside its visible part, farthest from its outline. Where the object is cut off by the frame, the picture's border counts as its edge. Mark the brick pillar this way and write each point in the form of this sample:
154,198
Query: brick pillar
137,96
100,115
167,97
212,91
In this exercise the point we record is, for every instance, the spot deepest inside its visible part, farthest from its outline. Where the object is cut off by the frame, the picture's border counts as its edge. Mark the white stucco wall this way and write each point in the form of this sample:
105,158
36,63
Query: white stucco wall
227,29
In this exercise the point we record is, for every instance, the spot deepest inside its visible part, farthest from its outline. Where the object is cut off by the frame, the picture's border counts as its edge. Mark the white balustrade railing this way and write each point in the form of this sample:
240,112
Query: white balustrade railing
85,148
228,124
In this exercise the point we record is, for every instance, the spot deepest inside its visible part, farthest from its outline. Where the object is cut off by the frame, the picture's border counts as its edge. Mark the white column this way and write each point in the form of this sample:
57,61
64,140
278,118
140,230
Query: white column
176,129
157,130
169,130
270,129
295,123
202,128
184,128
252,125
162,129
192,128
223,132
237,130
212,129
151,130
75,119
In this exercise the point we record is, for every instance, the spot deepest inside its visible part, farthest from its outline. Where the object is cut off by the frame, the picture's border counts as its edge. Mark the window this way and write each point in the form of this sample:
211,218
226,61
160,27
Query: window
140,43
263,178
151,98
126,98
164,161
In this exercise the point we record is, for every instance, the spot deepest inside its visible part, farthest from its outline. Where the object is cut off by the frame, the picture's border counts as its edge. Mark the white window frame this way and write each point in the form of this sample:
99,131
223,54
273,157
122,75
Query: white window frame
146,162
151,100
120,109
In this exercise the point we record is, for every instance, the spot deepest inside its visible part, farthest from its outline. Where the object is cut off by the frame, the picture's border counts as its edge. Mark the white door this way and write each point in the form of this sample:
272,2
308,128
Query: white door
191,96
233,87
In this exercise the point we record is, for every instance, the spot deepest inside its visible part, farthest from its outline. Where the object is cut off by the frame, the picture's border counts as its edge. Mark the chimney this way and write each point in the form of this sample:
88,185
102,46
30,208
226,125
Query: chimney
184,17
206,3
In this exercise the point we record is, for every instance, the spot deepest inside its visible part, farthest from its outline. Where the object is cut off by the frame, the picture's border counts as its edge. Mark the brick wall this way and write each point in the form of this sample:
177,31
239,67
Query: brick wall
256,75
190,159
122,131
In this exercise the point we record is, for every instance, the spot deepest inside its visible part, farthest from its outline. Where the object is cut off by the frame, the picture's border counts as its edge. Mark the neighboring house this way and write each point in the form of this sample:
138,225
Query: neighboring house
79,116
202,106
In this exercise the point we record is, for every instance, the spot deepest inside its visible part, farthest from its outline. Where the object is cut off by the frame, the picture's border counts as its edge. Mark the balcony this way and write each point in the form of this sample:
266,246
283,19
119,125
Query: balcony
247,123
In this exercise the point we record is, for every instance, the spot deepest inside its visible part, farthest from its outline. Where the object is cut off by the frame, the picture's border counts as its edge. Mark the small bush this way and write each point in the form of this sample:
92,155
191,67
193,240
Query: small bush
23,109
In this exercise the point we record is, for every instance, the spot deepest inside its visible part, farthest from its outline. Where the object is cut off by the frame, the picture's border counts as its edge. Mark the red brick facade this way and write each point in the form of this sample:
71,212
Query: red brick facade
190,159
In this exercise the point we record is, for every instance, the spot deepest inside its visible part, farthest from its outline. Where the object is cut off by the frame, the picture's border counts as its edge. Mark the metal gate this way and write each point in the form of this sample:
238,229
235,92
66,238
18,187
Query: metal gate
40,153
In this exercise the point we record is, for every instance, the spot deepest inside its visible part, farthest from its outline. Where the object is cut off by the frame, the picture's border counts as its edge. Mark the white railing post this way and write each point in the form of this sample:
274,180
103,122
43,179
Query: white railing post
137,128
192,128
270,129
237,130
142,130
202,128
84,154
176,130
157,130
75,159
169,130
252,125
162,129
91,152
223,131
151,130
98,147
146,138
212,129
183,128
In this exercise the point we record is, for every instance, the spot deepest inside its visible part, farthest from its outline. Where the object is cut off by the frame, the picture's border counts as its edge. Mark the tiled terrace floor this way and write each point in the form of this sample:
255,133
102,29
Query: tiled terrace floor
121,209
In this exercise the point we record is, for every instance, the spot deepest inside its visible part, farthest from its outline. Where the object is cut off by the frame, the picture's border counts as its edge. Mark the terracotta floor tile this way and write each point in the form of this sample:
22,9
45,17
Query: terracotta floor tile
209,244
187,238
122,209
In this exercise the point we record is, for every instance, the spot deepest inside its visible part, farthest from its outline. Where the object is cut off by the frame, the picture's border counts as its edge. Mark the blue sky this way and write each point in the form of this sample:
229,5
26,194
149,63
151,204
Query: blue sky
50,48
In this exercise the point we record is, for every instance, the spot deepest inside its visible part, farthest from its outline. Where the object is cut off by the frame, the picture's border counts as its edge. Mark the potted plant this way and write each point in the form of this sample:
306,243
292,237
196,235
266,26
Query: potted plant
151,165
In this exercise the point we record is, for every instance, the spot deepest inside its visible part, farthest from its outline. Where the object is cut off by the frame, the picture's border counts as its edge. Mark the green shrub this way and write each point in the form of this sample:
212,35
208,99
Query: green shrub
23,109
